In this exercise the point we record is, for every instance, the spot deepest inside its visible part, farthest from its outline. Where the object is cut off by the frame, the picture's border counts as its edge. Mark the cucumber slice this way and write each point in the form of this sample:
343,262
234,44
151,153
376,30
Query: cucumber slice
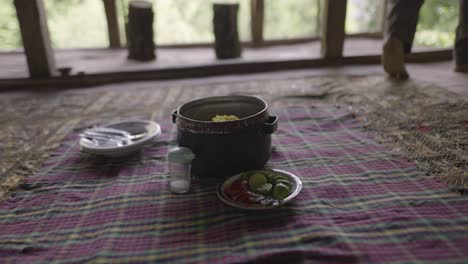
287,183
263,189
280,177
270,178
281,191
256,180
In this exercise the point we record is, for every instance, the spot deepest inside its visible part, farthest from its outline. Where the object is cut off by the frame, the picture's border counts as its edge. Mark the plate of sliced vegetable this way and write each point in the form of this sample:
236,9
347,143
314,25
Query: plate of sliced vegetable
259,189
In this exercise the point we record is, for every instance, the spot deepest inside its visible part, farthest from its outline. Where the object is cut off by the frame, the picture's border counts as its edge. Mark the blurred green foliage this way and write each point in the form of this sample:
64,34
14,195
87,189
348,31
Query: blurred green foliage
81,23
291,18
10,37
76,23
362,16
437,23
181,21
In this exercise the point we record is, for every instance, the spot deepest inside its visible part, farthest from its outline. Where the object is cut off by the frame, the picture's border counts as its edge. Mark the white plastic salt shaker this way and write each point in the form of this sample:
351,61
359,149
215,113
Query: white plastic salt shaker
180,160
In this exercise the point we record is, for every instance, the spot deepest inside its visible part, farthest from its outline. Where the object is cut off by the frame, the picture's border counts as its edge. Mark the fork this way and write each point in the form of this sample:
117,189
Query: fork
112,133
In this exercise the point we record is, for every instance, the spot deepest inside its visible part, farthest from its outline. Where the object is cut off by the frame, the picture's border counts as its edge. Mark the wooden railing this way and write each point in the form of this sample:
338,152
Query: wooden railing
36,41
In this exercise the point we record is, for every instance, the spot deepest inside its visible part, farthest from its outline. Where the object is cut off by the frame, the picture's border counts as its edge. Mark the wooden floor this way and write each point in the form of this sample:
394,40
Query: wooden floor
95,61
101,61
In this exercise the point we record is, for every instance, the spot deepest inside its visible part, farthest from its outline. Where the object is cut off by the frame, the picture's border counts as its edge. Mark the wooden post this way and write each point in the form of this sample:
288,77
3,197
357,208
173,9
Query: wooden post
319,18
140,31
333,32
460,51
35,34
227,43
112,23
382,15
256,23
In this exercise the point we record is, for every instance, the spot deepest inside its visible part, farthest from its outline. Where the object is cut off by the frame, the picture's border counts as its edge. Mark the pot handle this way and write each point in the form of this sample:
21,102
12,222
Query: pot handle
174,116
270,126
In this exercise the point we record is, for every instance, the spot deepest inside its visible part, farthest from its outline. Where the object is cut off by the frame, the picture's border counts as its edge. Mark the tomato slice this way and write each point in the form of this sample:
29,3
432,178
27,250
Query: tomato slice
239,191
238,185
232,193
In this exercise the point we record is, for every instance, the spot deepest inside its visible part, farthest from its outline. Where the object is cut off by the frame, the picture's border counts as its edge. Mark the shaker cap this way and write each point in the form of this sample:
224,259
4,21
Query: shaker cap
181,154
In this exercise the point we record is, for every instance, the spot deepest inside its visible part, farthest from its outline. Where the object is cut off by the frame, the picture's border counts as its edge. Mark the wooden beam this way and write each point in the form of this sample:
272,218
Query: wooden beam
381,15
257,12
113,31
36,41
210,69
247,44
319,19
333,28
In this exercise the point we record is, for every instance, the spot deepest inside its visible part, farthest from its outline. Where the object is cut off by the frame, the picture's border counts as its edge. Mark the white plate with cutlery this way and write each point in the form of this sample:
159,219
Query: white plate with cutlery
119,139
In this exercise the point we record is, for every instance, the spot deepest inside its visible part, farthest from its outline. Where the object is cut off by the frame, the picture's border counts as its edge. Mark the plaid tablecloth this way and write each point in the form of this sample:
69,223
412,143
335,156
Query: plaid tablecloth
360,203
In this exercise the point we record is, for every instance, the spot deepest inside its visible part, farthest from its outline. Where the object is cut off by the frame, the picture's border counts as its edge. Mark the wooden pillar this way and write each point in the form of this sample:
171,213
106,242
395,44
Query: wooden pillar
319,18
333,28
382,15
35,34
257,17
112,23
460,51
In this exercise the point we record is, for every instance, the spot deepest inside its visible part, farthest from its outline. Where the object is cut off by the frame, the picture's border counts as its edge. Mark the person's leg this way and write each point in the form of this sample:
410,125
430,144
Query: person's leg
400,28
461,40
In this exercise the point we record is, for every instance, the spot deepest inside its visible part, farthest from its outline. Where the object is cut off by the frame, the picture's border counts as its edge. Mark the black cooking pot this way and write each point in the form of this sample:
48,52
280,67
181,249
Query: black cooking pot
226,148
